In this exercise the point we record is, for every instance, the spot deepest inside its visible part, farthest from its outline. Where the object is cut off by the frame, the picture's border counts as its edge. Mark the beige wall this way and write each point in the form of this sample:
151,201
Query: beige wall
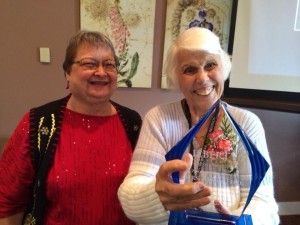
25,82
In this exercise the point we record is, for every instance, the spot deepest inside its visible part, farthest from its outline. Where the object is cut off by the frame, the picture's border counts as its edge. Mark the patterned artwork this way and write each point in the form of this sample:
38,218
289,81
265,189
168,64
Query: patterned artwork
130,26
183,14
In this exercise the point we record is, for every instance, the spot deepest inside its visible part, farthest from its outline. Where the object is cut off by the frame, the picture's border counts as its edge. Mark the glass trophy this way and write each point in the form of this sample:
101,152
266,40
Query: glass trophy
218,165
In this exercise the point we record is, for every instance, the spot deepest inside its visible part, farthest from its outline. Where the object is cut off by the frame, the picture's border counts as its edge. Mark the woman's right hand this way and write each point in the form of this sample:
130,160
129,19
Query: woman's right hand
175,196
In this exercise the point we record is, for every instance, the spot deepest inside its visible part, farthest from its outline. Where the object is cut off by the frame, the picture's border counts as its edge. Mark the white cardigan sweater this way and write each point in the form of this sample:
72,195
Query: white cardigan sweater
163,126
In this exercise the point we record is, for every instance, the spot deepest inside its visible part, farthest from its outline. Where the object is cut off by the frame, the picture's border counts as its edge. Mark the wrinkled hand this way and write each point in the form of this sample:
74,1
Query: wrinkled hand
221,208
175,196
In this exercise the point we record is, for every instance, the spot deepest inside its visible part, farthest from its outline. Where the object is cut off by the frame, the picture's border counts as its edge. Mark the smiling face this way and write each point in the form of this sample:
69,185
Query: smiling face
200,78
92,84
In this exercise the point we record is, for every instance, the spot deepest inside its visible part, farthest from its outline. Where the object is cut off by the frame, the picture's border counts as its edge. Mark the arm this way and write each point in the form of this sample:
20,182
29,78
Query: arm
137,193
16,173
147,192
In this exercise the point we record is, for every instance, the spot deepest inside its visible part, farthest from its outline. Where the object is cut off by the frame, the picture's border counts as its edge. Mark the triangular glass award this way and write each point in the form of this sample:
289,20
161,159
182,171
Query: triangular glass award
219,170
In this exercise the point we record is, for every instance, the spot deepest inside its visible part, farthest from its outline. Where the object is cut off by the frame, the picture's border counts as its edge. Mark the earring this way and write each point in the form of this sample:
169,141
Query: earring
67,85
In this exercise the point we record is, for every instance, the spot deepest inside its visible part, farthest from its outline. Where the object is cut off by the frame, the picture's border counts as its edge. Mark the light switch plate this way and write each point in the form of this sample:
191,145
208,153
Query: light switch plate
44,55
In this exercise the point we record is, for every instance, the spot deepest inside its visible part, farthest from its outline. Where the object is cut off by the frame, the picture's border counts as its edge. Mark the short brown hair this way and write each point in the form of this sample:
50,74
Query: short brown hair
91,37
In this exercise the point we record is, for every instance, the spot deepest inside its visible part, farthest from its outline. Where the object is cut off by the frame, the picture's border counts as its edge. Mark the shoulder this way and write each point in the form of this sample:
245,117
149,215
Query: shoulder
131,121
23,125
53,105
242,114
125,111
167,118
48,111
168,110
249,121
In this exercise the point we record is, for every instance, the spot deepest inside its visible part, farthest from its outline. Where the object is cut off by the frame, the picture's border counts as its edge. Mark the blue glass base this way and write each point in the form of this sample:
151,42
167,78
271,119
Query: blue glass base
193,217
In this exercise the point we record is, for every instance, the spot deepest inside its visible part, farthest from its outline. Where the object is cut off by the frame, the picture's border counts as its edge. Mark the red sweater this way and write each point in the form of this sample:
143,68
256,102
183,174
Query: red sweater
91,161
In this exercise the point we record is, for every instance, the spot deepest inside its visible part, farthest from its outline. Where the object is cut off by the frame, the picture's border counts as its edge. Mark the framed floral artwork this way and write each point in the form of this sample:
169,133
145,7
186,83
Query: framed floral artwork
216,15
130,26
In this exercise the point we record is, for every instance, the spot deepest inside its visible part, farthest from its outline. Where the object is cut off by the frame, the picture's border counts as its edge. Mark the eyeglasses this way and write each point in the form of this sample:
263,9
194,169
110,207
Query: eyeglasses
93,64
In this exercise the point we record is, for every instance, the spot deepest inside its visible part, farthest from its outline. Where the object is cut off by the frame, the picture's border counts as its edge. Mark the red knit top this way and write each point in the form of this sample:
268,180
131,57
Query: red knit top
91,161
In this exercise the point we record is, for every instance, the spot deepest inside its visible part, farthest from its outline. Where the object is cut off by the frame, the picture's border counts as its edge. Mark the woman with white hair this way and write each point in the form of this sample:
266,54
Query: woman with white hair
198,67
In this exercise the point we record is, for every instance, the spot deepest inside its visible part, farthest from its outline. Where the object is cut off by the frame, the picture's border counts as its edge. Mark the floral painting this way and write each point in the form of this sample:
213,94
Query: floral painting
130,26
183,14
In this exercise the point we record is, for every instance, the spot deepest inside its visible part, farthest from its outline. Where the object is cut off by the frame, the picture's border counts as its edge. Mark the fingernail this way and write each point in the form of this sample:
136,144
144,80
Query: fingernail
198,188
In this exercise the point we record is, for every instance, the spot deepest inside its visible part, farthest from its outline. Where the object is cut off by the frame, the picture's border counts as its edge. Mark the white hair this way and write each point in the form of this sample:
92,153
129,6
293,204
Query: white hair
195,39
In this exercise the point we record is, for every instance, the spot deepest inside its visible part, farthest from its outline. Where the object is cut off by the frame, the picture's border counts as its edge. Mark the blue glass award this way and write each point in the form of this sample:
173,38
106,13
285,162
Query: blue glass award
216,164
